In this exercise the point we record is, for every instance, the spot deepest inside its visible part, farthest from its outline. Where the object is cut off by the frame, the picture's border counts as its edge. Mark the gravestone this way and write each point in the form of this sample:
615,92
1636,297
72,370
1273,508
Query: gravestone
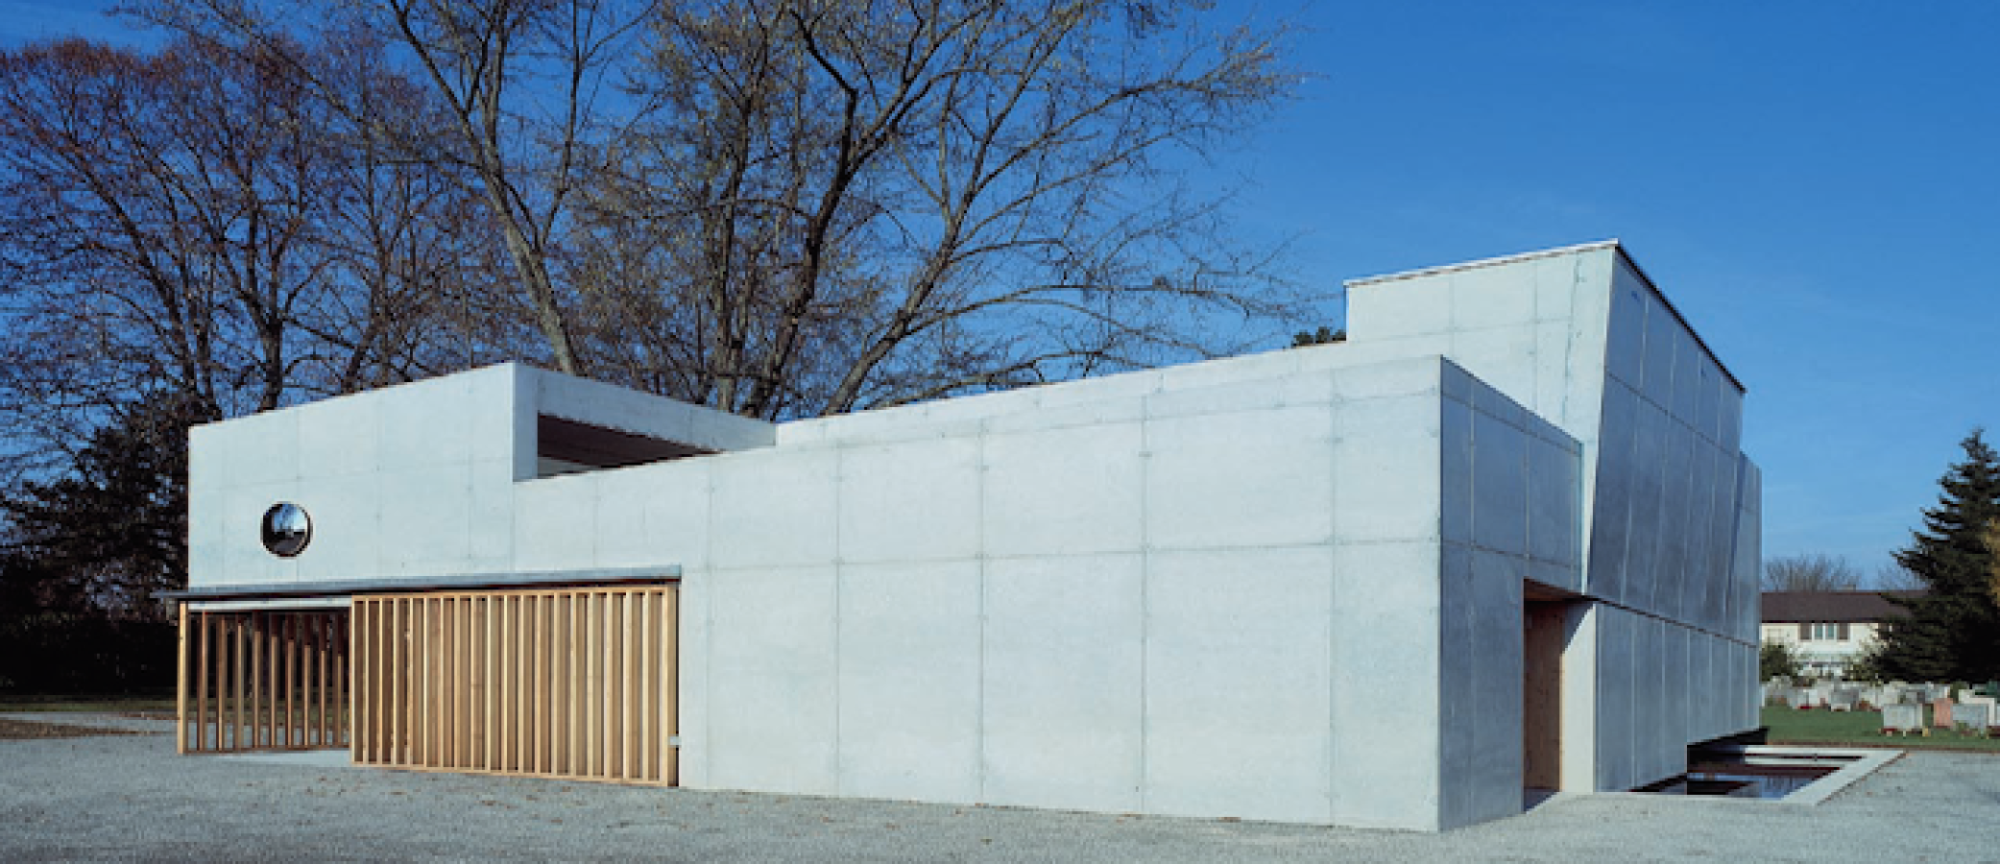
1902,719
1985,702
1799,697
1941,712
1842,699
1974,717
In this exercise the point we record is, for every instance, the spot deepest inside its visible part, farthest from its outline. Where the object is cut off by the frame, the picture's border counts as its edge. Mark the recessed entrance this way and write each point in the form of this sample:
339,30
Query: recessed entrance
1543,637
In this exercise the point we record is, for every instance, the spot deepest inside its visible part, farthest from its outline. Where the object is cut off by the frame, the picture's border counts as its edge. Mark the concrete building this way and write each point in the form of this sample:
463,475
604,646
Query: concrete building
1502,538
1828,630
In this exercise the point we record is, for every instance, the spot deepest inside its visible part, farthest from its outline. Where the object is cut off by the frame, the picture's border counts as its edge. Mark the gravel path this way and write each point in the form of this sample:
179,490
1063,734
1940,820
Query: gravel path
131,797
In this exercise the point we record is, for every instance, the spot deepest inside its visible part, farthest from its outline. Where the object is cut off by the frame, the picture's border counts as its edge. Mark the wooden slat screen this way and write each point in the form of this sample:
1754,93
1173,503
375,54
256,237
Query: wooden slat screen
262,680
576,683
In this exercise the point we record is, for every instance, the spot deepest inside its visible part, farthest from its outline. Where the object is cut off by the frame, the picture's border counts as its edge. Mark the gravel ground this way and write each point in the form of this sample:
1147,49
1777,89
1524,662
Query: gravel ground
131,797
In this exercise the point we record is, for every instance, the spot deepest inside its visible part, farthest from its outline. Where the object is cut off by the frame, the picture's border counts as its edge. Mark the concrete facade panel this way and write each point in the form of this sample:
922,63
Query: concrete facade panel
1238,683
1625,333
1455,498
909,688
1064,491
556,523
338,439
1245,479
1499,485
1414,308
1554,506
1649,480
915,501
1493,297
1064,682
1386,662
1494,778
1385,465
1504,358
1458,706
347,529
779,511
426,520
773,650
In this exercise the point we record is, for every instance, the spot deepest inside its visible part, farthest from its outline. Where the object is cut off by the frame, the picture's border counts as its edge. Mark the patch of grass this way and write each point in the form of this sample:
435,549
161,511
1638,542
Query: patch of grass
71,704
1861,729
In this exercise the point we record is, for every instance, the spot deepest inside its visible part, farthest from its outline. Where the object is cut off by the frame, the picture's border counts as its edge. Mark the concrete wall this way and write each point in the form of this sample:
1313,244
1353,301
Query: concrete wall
1582,338
1512,502
1286,586
1111,605
419,480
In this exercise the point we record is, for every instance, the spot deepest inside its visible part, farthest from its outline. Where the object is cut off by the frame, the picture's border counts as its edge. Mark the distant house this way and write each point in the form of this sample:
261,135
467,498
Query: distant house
1829,630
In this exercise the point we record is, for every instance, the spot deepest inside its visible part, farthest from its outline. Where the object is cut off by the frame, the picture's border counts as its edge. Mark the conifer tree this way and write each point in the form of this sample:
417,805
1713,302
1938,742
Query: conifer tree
1953,632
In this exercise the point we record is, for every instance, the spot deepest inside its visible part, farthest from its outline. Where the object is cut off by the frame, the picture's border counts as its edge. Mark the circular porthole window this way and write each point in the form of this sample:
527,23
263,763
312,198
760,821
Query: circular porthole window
287,529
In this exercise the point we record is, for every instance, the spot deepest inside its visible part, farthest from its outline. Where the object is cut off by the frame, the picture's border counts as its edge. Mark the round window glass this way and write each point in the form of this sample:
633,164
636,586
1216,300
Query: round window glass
287,529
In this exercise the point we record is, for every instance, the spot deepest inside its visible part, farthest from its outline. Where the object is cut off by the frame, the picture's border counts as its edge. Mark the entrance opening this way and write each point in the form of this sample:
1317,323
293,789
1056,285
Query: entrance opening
1543,637
262,680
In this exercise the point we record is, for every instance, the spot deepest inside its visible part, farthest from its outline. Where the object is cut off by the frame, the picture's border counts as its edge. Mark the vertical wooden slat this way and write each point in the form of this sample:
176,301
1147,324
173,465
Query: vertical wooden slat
613,679
670,671
542,690
343,699
558,684
255,641
489,659
238,627
180,685
288,648
367,670
396,677
511,663
648,720
199,740
594,698
461,659
360,744
437,628
577,698
359,705
631,699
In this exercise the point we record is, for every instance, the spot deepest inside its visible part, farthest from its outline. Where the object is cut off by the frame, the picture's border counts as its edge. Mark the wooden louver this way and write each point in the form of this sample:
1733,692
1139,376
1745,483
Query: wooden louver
575,683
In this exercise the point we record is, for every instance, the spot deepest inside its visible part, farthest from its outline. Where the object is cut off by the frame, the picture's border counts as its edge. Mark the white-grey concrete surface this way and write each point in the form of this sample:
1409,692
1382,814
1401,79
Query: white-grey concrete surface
1287,586
131,798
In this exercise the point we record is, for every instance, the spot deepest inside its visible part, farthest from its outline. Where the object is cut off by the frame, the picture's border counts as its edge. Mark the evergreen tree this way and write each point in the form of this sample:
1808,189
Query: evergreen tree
114,530
1953,632
85,552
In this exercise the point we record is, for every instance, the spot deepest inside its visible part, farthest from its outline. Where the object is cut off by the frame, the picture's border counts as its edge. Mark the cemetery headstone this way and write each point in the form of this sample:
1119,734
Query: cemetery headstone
1902,719
1970,717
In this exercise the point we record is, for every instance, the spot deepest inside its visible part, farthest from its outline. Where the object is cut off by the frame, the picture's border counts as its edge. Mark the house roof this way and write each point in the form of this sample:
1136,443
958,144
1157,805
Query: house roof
1832,607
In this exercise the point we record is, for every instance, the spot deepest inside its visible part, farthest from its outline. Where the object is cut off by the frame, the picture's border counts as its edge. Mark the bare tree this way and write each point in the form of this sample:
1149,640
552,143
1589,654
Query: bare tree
1810,572
518,83
1893,576
797,207
860,203
199,222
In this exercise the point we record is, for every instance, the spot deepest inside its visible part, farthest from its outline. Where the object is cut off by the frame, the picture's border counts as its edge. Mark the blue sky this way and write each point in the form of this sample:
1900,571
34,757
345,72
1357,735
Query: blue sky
1812,183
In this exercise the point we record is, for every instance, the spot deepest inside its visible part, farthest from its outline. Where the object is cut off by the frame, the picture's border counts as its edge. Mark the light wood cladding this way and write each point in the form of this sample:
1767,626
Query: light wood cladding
262,680
1541,693
573,683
